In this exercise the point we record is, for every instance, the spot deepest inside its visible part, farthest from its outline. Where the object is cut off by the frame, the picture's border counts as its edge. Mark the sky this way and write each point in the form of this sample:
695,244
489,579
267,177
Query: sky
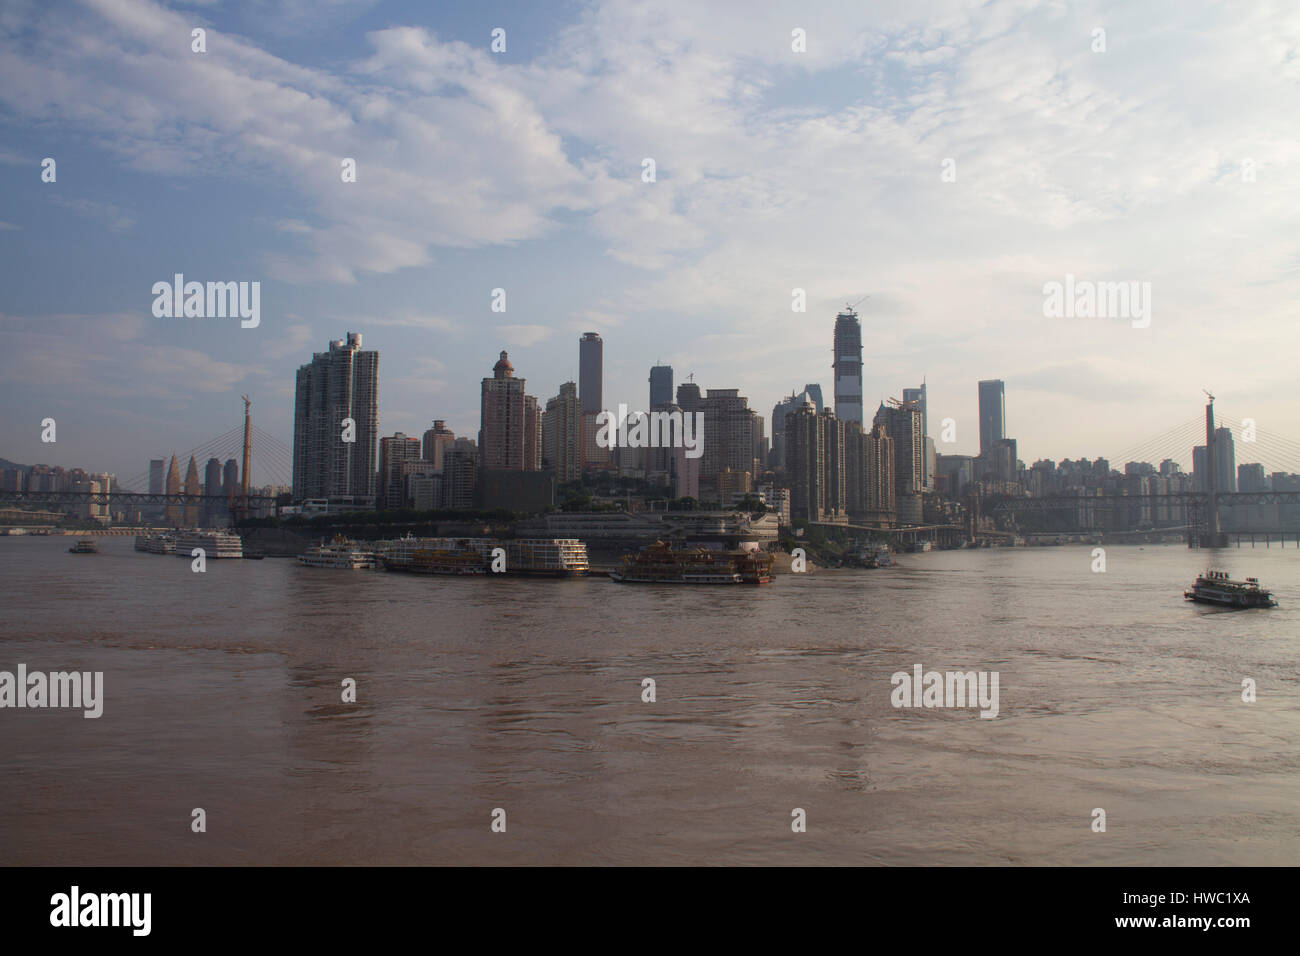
946,160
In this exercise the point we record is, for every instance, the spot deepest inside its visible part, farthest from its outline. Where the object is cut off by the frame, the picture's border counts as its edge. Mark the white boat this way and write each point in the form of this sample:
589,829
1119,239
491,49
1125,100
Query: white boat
156,543
339,553
215,544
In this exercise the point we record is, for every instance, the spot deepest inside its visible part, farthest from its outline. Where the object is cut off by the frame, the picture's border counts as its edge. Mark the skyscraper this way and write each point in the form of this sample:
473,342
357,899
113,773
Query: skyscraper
848,366
661,386
532,434
175,513
192,491
211,489
501,438
562,434
590,382
436,442
338,385
393,453
157,469
993,413
729,427
230,480
903,426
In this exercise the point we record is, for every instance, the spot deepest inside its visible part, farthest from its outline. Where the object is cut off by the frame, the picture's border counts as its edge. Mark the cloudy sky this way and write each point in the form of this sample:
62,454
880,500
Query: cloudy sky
1170,157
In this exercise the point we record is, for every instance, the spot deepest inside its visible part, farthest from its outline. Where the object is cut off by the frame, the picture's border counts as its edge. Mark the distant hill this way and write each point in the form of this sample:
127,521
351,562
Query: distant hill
6,463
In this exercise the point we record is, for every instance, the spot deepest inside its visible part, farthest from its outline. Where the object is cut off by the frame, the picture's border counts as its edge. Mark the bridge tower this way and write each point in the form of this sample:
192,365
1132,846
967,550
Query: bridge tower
248,457
1212,536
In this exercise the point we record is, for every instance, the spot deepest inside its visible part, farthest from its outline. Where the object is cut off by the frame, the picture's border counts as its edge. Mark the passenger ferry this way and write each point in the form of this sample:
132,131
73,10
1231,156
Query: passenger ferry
339,553
1216,587
215,544
545,557
84,546
156,543
660,563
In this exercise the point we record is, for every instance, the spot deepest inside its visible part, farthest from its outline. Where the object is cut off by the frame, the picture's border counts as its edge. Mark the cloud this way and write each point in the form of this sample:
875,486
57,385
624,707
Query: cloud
524,335
112,216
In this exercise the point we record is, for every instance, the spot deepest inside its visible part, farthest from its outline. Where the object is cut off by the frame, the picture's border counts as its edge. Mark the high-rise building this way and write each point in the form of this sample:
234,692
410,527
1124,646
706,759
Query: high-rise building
661,386
848,366
532,434
436,441
193,507
815,393
212,509
336,387
1225,464
805,463
562,434
590,371
157,471
230,481
916,396
689,397
502,423
903,426
780,411
459,474
993,413
729,427
395,451
175,513
1250,477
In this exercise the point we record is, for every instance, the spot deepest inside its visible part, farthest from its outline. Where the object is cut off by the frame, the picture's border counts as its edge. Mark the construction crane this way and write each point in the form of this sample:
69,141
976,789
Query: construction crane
853,305
895,403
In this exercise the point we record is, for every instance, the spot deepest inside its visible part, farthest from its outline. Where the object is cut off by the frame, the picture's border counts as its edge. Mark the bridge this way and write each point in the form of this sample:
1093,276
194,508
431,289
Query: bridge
254,447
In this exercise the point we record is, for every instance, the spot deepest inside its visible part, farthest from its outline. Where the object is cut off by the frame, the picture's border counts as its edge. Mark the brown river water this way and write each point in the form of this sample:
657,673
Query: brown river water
222,691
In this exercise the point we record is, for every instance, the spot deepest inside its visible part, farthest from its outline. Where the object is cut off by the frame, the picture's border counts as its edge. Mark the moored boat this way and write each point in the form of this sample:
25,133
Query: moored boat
84,546
1217,587
660,563
215,544
340,553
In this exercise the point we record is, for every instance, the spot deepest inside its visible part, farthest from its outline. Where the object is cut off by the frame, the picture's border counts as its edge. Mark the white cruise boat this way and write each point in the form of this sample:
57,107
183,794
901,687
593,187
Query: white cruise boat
339,553
547,557
156,543
215,544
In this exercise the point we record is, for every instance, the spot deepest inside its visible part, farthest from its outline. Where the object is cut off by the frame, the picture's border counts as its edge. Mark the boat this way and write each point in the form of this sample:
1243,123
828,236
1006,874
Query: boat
529,557
215,544
660,563
547,557
867,556
156,543
340,553
1216,587
84,546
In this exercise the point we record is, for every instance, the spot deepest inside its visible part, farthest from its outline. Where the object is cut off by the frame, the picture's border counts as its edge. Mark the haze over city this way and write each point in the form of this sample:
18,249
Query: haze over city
1168,158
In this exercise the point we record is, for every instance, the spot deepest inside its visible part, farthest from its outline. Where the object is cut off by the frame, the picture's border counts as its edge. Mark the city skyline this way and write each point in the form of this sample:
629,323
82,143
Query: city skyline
695,269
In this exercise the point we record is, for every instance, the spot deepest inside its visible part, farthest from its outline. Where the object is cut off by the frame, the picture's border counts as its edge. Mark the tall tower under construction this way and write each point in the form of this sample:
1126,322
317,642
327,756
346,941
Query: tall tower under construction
848,366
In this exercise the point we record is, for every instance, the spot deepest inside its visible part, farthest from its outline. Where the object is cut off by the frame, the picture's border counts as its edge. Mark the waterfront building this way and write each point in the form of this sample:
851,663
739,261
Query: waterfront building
436,442
501,438
562,434
337,385
395,451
